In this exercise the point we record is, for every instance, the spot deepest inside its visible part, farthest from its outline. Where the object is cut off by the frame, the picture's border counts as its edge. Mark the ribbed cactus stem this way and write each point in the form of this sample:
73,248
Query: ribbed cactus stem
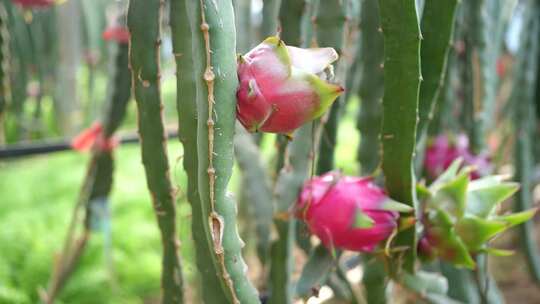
5,94
242,9
400,110
437,25
211,290
270,14
375,281
524,124
371,86
256,187
329,23
214,47
290,181
144,22
290,15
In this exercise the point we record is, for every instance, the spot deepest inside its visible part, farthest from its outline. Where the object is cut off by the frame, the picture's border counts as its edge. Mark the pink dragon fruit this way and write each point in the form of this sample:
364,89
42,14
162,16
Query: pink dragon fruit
444,150
347,212
283,87
34,3
117,33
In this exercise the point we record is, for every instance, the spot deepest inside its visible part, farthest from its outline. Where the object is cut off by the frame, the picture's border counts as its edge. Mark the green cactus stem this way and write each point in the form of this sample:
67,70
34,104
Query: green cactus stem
269,26
98,180
329,25
5,94
523,98
290,16
371,86
437,25
144,23
214,46
187,131
256,185
244,37
400,109
286,190
375,281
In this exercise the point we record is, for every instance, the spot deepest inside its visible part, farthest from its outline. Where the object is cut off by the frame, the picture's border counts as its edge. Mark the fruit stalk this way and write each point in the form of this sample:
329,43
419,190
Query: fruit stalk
144,23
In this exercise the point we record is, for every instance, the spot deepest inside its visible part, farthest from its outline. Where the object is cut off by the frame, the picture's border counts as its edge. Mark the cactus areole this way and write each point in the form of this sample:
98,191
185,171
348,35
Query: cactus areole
346,212
283,87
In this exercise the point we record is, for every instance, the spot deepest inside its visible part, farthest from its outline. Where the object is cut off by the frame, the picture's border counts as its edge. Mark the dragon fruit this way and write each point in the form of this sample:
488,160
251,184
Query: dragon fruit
34,3
283,87
93,138
444,149
117,33
347,212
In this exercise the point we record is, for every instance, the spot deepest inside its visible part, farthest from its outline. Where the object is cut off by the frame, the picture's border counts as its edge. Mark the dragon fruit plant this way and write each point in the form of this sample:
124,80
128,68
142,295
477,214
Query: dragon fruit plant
283,87
461,215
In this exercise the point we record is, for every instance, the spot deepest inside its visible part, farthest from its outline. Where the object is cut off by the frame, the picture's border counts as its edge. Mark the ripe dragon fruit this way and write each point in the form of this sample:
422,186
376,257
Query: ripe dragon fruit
34,3
93,138
348,212
443,150
117,33
283,87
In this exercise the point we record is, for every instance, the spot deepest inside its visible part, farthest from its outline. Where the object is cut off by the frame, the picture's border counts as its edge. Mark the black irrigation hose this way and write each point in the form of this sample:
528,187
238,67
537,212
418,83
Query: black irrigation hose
27,149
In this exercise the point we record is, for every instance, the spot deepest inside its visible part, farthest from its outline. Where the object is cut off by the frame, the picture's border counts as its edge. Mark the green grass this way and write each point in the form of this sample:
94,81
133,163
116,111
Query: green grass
36,199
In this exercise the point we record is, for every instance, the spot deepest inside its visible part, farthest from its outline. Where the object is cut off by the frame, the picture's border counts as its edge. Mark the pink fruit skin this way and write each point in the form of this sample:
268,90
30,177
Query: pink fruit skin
271,97
443,151
117,33
34,3
328,204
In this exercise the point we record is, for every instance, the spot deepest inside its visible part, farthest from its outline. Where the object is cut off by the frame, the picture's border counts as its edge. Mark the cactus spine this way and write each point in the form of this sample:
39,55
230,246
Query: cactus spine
214,44
524,124
400,109
144,22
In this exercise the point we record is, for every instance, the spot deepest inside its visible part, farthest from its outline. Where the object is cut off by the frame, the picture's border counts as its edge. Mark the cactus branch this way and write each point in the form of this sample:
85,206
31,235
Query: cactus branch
214,43
400,108
144,23
524,123
371,86
437,25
